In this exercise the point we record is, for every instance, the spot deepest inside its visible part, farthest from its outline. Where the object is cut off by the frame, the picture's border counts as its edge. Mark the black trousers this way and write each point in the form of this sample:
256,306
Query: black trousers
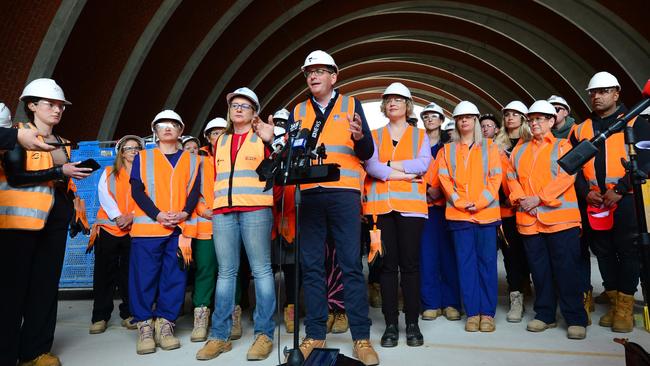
401,239
615,249
30,285
514,256
111,271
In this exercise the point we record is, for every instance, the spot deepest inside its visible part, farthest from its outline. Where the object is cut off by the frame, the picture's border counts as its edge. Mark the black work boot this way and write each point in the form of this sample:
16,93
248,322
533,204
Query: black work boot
413,336
390,337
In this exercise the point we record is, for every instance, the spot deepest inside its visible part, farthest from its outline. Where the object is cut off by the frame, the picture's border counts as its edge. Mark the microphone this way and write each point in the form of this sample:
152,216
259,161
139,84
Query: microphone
300,141
295,127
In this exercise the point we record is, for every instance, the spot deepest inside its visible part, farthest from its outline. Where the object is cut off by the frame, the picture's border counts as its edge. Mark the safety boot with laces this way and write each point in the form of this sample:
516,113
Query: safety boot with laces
340,324
46,359
516,312
308,344
363,351
235,331
164,335
146,342
260,349
201,317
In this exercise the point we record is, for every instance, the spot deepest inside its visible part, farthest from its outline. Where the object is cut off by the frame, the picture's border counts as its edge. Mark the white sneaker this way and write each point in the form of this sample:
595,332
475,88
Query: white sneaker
516,312
200,331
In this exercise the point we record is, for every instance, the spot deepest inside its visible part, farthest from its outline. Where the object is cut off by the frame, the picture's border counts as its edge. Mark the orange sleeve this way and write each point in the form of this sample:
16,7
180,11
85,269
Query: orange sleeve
514,187
551,191
491,190
447,184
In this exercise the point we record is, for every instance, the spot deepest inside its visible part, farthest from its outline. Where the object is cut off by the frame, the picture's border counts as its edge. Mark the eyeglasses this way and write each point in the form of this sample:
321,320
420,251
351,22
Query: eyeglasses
317,72
511,114
430,117
603,91
538,120
487,126
396,100
50,105
558,109
165,125
214,133
242,106
131,148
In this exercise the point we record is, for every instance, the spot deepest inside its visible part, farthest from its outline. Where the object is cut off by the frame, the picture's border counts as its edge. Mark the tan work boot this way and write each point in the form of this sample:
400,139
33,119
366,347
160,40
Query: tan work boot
46,359
537,326
235,331
164,335
576,332
146,343
602,298
608,319
212,349
201,317
431,314
97,327
451,313
472,323
340,324
587,303
330,322
308,344
363,351
487,324
129,324
516,312
624,315
288,317
260,349
374,295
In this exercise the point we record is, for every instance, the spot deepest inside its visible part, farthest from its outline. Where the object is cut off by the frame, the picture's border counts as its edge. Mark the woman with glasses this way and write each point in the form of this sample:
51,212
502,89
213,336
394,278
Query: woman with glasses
110,236
549,221
165,185
241,213
470,175
395,197
515,127
37,195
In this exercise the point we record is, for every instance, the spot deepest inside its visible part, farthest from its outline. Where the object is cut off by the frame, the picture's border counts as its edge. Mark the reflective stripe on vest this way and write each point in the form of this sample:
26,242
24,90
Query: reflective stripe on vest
121,196
337,140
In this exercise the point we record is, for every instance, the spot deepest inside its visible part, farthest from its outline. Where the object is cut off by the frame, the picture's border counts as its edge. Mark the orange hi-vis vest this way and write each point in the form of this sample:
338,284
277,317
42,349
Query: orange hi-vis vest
338,142
203,225
168,188
431,178
237,183
382,197
207,149
471,174
534,171
506,209
615,149
120,190
27,208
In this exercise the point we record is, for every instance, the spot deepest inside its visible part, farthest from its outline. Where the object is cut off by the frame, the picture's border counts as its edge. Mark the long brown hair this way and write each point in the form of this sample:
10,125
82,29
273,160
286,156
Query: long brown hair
118,163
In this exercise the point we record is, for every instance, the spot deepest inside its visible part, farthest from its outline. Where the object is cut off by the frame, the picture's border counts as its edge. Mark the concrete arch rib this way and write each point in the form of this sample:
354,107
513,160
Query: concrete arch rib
245,53
55,39
132,67
199,54
623,43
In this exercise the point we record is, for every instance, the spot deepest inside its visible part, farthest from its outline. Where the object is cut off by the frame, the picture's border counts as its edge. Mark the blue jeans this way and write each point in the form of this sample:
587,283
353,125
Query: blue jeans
254,229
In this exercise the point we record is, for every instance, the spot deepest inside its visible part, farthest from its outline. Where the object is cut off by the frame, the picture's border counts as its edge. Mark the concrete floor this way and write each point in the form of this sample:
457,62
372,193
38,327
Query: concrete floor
446,343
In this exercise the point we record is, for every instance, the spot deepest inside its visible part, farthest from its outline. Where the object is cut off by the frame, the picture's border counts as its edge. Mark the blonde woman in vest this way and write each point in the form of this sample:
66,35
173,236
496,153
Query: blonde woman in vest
36,196
470,176
515,128
549,220
165,185
242,213
396,196
112,243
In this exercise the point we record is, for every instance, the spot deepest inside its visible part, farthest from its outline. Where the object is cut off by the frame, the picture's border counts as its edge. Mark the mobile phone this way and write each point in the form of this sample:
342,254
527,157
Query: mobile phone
60,144
89,163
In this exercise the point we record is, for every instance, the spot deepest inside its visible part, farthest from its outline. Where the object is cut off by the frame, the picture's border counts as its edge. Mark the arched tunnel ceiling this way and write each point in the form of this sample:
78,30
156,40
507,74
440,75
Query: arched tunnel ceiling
120,63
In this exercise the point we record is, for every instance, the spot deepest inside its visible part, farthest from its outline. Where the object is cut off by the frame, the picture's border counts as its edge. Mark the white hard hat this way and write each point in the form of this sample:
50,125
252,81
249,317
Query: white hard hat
282,114
319,58
542,106
398,89
516,105
185,139
433,107
465,107
246,93
448,124
603,79
5,116
119,143
167,114
44,88
556,99
215,123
